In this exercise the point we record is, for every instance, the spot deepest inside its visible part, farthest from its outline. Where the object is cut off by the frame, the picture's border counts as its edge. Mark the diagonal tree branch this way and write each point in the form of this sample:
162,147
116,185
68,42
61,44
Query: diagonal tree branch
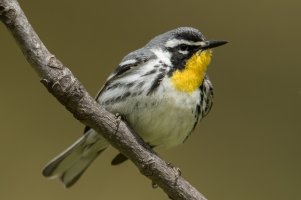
62,84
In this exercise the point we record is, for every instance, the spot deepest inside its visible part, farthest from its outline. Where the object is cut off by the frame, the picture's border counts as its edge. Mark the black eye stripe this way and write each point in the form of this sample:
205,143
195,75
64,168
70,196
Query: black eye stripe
184,47
187,47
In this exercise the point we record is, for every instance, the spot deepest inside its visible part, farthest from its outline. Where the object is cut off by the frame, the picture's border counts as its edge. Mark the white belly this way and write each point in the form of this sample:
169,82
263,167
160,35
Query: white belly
161,120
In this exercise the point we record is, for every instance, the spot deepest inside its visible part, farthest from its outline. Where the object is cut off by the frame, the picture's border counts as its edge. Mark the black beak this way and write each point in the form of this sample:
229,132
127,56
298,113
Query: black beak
212,44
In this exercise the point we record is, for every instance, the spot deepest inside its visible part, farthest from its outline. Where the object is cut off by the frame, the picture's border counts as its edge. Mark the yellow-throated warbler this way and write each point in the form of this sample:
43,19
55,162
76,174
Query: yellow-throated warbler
161,90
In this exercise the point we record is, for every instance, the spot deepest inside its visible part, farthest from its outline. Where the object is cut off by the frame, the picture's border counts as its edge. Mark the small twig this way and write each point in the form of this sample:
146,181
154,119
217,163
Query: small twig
61,83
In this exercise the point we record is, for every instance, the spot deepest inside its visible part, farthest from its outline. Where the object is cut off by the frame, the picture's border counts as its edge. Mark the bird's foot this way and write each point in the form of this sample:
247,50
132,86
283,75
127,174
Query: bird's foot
118,119
118,116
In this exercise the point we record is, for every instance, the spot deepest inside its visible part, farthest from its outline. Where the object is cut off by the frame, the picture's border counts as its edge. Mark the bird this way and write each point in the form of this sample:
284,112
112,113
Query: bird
161,90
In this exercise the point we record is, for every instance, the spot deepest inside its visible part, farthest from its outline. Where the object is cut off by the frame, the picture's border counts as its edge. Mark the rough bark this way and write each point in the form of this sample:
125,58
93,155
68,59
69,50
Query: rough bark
62,84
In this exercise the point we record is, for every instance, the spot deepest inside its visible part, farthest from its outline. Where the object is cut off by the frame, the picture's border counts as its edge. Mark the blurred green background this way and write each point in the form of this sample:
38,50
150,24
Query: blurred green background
247,148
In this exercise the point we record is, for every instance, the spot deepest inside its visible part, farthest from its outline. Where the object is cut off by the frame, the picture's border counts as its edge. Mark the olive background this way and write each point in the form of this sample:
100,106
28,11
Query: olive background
247,148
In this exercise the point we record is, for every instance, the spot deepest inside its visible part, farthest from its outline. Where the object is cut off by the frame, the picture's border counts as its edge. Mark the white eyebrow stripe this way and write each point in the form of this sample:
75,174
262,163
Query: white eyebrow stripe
175,42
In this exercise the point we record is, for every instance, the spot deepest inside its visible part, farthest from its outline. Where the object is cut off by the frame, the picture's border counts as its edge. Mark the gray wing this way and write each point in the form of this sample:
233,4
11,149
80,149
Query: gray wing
129,63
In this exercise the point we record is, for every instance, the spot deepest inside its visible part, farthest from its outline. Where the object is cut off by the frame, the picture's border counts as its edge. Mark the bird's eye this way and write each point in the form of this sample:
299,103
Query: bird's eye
183,47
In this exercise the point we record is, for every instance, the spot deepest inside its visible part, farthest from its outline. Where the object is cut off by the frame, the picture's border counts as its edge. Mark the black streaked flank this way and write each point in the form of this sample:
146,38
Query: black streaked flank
207,95
198,111
129,84
118,98
107,102
197,116
113,86
127,94
201,93
164,65
150,72
156,83
136,93
139,85
206,98
162,70
116,85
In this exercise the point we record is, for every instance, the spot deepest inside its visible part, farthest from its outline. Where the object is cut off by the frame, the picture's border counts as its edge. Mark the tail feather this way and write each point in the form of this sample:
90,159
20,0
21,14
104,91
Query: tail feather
64,160
71,176
72,163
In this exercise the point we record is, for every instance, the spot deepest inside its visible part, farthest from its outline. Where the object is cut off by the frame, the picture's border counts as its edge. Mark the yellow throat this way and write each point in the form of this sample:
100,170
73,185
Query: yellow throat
191,77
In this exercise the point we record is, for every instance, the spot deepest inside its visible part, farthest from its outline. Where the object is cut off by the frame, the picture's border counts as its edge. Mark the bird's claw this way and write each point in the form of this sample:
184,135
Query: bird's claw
118,116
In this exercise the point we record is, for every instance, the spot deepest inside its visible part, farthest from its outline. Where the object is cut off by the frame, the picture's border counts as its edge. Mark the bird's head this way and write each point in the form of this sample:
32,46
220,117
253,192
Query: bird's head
188,53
